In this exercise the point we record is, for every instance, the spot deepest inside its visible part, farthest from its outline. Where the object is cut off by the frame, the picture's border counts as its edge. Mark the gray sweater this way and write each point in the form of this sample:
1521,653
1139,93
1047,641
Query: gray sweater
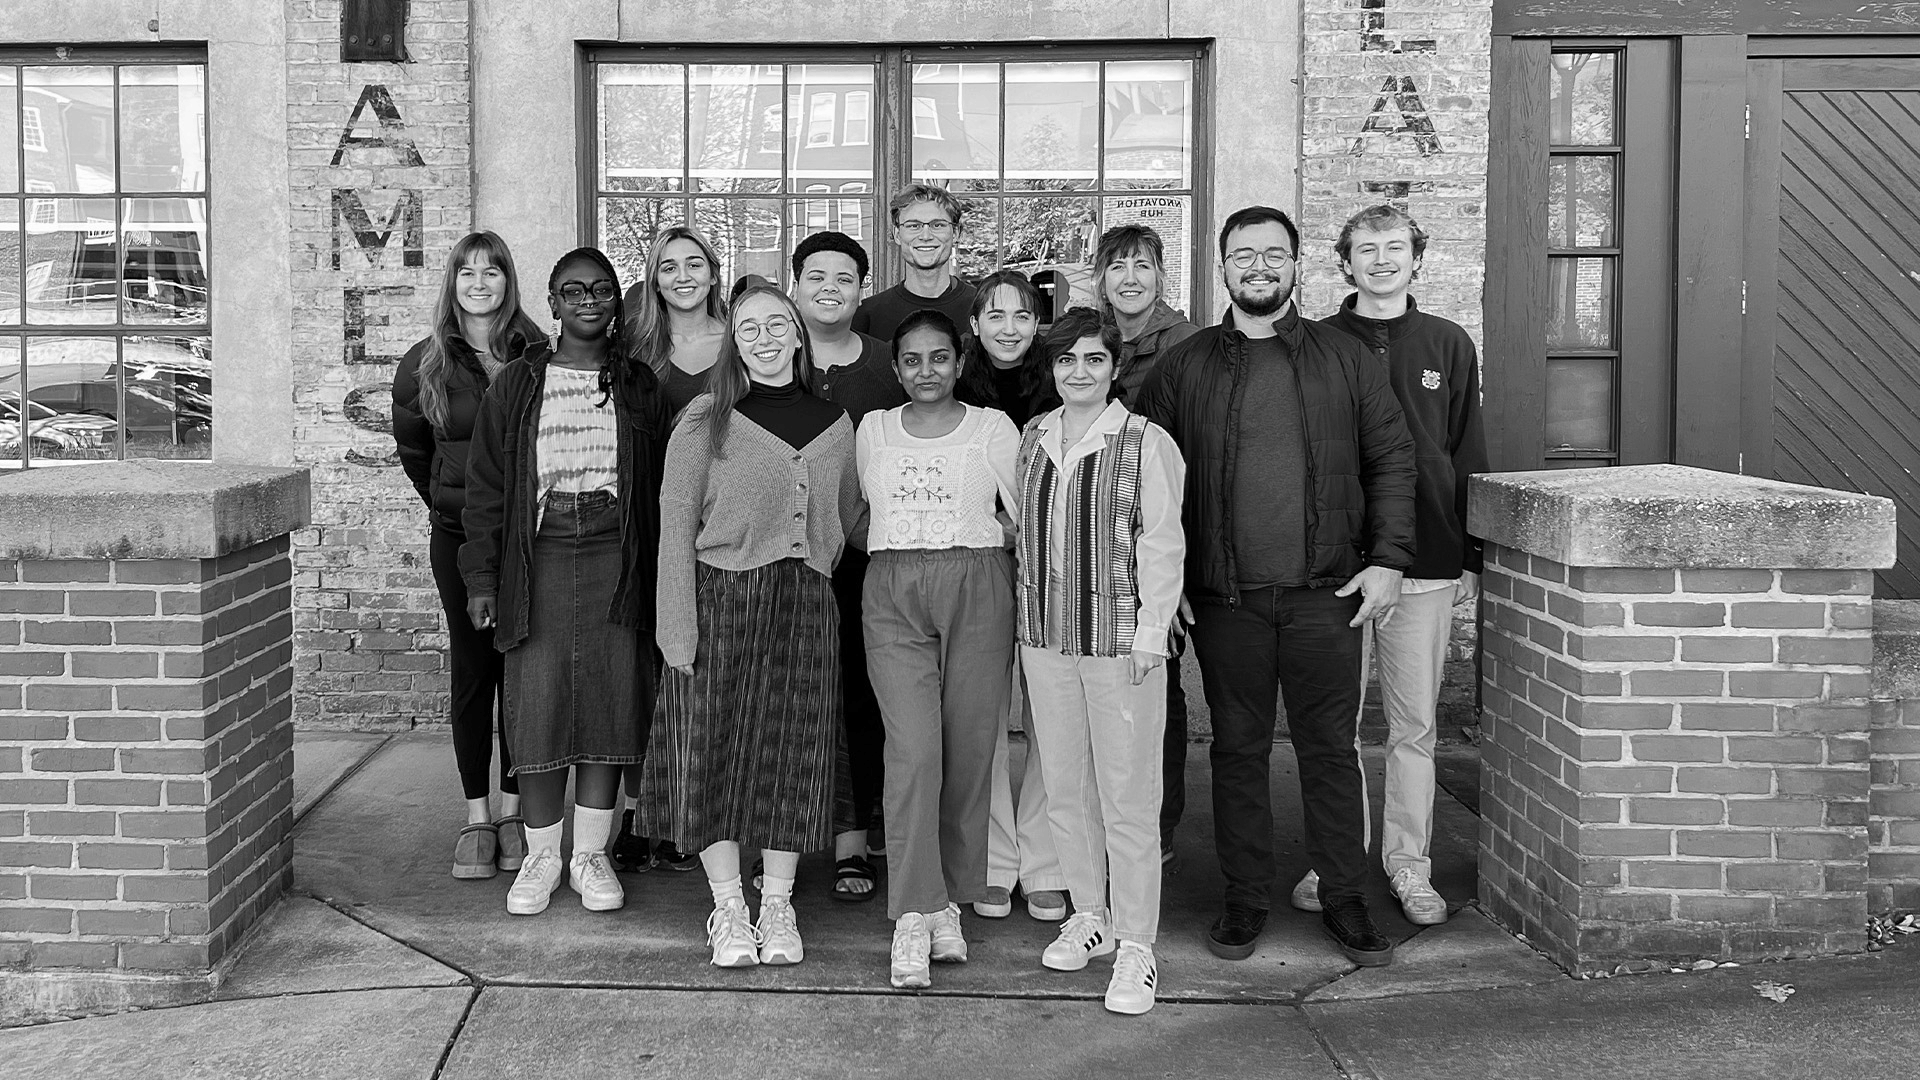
761,502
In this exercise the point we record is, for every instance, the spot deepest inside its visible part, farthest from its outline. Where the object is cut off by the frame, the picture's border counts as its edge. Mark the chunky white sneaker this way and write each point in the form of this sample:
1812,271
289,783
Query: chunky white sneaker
1130,990
1084,935
1422,905
533,888
949,947
779,932
732,936
912,946
1306,895
591,875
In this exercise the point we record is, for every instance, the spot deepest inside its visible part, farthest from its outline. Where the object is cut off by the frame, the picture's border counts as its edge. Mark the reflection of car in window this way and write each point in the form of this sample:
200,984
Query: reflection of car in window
52,434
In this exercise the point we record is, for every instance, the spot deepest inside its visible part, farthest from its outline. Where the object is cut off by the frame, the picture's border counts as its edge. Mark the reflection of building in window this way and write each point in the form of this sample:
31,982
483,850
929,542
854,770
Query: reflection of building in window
817,208
820,120
926,118
859,119
770,129
850,218
32,135
43,211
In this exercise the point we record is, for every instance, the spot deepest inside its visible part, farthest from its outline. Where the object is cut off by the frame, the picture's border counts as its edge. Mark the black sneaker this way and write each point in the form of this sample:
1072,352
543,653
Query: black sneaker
1235,931
667,855
1350,926
631,854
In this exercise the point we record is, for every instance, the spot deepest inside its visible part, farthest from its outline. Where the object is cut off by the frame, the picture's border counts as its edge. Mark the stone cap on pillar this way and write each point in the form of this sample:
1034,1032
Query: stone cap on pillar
148,509
1680,516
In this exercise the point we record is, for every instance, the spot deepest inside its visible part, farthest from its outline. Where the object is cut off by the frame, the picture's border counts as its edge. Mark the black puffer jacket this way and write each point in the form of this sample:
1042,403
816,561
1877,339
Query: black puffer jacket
1360,465
503,496
436,461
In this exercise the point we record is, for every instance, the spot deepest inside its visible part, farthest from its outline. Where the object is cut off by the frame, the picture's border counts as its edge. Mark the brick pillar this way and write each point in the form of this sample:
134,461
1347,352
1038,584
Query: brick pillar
146,739
1893,821
1675,694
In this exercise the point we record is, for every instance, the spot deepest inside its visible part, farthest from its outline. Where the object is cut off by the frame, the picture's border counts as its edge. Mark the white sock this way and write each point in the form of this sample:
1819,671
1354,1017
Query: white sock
545,839
776,888
728,890
592,828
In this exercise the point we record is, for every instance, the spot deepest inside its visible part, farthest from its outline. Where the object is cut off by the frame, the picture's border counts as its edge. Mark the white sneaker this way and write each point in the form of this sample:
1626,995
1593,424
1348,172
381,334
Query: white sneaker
1084,935
1423,906
591,875
912,946
1130,990
949,947
533,887
779,932
1306,895
732,937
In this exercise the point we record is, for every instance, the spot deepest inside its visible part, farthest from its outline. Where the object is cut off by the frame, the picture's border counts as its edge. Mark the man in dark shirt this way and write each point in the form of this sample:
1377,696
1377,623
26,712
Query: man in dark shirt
926,227
1299,519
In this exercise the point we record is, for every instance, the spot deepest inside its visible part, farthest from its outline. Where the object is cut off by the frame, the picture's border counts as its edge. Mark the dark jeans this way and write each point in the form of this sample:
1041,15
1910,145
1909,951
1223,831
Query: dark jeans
866,735
476,669
1173,757
1298,641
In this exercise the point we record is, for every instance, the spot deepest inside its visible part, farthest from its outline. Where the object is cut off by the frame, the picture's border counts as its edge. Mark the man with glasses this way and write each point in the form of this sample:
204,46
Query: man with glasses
926,226
1299,517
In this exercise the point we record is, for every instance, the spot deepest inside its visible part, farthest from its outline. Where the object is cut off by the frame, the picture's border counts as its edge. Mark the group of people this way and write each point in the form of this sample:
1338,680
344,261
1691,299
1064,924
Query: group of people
772,573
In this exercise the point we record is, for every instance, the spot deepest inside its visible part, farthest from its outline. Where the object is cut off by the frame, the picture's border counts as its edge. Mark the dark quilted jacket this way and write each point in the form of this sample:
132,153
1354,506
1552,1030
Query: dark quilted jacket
1360,463
436,461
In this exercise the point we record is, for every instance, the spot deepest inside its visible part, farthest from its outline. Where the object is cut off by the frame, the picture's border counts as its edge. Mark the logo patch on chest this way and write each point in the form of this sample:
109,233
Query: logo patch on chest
1430,379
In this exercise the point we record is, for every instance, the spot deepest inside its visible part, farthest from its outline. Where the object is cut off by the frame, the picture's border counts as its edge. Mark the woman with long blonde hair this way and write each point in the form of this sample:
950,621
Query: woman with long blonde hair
478,326
678,313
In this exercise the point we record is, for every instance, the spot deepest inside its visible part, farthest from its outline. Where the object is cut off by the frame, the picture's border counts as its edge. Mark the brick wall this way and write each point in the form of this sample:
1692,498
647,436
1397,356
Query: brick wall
1893,826
1677,765
380,164
146,768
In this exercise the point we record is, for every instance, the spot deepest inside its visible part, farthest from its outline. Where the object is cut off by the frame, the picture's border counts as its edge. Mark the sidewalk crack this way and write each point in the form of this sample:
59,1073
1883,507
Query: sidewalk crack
459,1026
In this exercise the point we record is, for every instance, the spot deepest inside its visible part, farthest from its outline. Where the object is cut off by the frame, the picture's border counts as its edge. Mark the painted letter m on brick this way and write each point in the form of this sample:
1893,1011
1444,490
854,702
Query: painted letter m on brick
406,218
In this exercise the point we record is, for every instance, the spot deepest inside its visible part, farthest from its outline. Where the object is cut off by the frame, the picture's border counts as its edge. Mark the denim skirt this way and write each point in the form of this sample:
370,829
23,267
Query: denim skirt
579,689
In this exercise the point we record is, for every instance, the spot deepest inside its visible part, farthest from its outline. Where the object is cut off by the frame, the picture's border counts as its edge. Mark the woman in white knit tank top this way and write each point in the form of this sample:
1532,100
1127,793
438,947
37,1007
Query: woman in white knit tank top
937,609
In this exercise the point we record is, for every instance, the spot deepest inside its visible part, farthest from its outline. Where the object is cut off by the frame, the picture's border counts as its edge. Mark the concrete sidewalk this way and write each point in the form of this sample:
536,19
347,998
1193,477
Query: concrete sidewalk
382,965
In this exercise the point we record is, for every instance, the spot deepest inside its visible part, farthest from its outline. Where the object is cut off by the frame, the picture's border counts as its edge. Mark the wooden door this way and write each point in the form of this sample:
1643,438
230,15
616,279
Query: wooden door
1832,328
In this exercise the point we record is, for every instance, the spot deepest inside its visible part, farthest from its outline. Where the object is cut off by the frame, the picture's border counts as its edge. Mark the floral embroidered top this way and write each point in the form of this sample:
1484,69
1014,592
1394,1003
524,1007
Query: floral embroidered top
941,492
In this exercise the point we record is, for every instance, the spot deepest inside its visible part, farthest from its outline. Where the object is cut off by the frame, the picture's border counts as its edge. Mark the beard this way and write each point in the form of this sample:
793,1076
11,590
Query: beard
1260,305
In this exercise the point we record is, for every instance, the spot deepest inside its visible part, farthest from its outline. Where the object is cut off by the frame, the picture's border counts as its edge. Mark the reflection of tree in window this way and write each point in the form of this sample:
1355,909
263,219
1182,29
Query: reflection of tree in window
820,120
926,119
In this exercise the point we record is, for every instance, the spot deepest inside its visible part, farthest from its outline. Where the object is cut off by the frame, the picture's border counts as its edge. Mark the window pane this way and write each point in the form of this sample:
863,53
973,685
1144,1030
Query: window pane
165,261
1052,116
745,233
960,147
1581,100
10,314
9,130
1169,215
13,427
977,251
169,397
643,116
72,385
163,127
1580,303
72,261
66,126
1051,233
732,105
815,154
1579,403
857,131
1580,209
627,229
1150,124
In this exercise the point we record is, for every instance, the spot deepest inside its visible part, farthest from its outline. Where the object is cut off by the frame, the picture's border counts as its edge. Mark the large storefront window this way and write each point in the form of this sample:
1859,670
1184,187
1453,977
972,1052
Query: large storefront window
104,344
762,150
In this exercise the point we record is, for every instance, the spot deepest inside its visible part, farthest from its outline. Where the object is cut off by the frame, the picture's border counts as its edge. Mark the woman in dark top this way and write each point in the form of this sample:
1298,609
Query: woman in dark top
563,528
478,325
1005,369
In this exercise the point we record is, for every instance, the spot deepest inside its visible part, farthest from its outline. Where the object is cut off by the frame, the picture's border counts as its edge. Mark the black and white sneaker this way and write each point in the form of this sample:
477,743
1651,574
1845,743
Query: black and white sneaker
1083,936
1130,991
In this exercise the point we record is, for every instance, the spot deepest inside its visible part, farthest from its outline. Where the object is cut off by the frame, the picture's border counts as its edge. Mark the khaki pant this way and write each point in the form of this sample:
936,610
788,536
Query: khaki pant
1411,653
1019,840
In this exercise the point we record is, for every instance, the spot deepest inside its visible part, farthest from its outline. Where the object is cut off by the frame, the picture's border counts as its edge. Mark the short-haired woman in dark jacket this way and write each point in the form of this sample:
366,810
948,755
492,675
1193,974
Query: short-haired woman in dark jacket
478,326
563,526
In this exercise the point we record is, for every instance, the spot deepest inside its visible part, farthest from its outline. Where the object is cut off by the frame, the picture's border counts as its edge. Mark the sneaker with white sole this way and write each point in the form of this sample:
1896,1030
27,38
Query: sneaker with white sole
943,927
533,888
1306,895
779,932
1422,905
912,949
998,903
1047,905
591,875
1130,990
1083,936
731,934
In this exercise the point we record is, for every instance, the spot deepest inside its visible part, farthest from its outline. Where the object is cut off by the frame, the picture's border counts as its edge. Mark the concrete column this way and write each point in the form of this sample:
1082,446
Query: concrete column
146,726
1675,694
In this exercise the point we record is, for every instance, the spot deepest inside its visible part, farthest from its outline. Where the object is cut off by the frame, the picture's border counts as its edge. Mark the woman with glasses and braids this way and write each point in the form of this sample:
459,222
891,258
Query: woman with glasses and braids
562,524
759,498
478,326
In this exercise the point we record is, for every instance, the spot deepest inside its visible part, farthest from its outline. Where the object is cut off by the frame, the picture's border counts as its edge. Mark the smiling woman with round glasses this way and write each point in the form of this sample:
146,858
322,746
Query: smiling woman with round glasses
761,491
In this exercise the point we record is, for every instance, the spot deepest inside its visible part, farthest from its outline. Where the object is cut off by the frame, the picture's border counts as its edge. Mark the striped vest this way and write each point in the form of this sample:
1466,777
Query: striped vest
1101,597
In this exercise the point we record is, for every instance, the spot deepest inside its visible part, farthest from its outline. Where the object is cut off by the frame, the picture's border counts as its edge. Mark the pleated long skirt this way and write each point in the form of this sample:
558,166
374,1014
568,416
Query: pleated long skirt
745,748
